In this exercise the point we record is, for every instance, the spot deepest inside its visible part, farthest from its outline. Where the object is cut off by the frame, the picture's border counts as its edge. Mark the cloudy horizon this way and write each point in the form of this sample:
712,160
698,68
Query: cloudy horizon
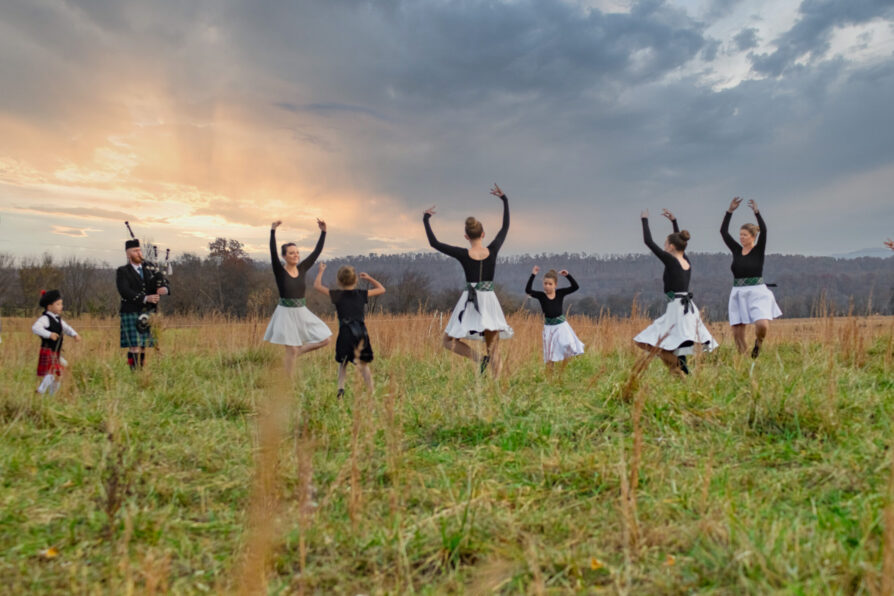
213,118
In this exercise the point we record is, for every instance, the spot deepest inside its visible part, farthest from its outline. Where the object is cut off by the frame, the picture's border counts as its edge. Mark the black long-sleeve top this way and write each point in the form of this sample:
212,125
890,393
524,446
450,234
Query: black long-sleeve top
552,307
752,264
676,279
288,286
475,270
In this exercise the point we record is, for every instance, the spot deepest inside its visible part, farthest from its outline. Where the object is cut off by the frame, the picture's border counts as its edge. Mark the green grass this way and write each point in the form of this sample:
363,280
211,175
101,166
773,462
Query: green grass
753,480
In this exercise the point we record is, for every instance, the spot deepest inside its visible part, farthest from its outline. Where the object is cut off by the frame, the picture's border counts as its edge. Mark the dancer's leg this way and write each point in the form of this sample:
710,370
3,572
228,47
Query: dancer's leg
760,328
739,337
458,346
342,373
672,362
366,373
492,340
289,359
304,349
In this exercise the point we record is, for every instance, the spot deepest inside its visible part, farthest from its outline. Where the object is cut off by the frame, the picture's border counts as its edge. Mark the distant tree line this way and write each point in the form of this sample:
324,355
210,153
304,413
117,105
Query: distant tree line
226,280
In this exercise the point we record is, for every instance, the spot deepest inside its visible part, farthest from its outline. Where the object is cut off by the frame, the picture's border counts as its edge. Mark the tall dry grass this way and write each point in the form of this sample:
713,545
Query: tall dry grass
435,480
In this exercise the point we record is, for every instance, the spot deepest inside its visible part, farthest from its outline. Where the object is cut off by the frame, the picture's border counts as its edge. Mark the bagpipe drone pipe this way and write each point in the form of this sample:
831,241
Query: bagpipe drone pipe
155,275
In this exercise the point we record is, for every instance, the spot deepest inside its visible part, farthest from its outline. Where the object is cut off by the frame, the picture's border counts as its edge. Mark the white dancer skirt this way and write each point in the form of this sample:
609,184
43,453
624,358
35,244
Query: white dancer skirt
748,304
475,323
560,342
295,326
683,330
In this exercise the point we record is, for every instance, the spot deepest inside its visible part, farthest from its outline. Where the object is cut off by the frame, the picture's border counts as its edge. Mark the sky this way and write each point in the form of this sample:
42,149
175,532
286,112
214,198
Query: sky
210,118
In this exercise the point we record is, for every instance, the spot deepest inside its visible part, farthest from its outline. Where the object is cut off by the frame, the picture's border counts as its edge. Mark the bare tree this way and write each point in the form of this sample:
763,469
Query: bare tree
78,284
36,275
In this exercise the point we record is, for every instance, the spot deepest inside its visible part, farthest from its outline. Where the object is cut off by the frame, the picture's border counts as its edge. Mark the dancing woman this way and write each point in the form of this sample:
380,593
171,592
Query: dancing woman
750,301
559,339
292,324
677,331
478,314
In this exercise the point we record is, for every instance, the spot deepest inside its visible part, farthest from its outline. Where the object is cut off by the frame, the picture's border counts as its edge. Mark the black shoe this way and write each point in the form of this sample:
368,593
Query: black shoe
340,394
756,351
484,362
683,367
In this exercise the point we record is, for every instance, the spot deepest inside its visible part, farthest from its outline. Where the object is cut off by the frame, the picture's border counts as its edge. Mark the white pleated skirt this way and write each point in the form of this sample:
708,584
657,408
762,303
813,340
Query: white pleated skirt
560,342
295,326
748,304
683,331
475,323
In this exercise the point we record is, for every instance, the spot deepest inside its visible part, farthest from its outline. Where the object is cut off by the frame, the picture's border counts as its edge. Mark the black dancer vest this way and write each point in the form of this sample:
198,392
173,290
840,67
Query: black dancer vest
55,327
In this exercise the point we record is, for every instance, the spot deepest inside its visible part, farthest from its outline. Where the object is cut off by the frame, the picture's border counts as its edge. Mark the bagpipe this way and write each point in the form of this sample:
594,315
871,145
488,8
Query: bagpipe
156,276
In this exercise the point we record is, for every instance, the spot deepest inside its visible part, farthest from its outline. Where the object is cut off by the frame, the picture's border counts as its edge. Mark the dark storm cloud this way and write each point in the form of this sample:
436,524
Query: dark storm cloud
817,20
746,39
582,116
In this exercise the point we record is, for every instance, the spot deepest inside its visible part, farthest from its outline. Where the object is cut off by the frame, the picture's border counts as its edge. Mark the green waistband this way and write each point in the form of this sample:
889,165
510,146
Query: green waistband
554,320
481,286
671,296
747,281
293,302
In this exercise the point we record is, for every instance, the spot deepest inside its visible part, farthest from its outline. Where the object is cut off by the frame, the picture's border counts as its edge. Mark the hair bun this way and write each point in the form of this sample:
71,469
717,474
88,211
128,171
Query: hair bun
685,235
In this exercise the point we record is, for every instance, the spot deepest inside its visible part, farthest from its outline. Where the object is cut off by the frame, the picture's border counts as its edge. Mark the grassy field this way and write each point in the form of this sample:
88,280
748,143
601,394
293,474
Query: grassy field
210,472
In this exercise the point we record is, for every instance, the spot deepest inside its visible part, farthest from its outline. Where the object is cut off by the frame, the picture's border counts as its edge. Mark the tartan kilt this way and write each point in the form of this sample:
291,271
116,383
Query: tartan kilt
48,363
131,337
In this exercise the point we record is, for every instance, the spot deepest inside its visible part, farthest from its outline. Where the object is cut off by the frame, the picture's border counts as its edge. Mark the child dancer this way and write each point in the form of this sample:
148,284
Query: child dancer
750,301
50,327
559,340
478,314
680,327
293,325
353,339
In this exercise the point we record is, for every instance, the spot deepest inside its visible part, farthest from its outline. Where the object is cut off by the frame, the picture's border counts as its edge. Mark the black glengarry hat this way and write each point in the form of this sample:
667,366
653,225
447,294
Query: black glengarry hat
132,243
49,297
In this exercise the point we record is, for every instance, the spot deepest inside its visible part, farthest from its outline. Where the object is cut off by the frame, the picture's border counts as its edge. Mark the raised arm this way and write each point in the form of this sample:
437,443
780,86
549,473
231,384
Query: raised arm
666,213
497,242
449,250
529,287
318,281
377,290
572,288
312,257
724,233
274,258
762,239
647,238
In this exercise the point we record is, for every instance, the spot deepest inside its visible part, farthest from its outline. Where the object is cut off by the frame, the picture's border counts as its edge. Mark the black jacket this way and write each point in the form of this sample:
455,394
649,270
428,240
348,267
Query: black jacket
133,289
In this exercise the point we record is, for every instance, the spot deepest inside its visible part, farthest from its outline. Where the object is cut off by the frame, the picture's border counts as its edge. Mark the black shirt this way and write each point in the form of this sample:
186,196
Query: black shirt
475,270
752,264
349,303
676,279
288,286
552,308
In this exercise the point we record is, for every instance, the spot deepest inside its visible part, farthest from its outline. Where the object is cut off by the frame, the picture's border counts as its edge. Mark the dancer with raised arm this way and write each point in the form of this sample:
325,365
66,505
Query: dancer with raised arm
559,339
292,324
751,301
352,342
680,328
478,314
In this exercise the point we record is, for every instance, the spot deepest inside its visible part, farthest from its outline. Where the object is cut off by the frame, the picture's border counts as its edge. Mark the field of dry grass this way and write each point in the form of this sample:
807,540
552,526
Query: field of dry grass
211,472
